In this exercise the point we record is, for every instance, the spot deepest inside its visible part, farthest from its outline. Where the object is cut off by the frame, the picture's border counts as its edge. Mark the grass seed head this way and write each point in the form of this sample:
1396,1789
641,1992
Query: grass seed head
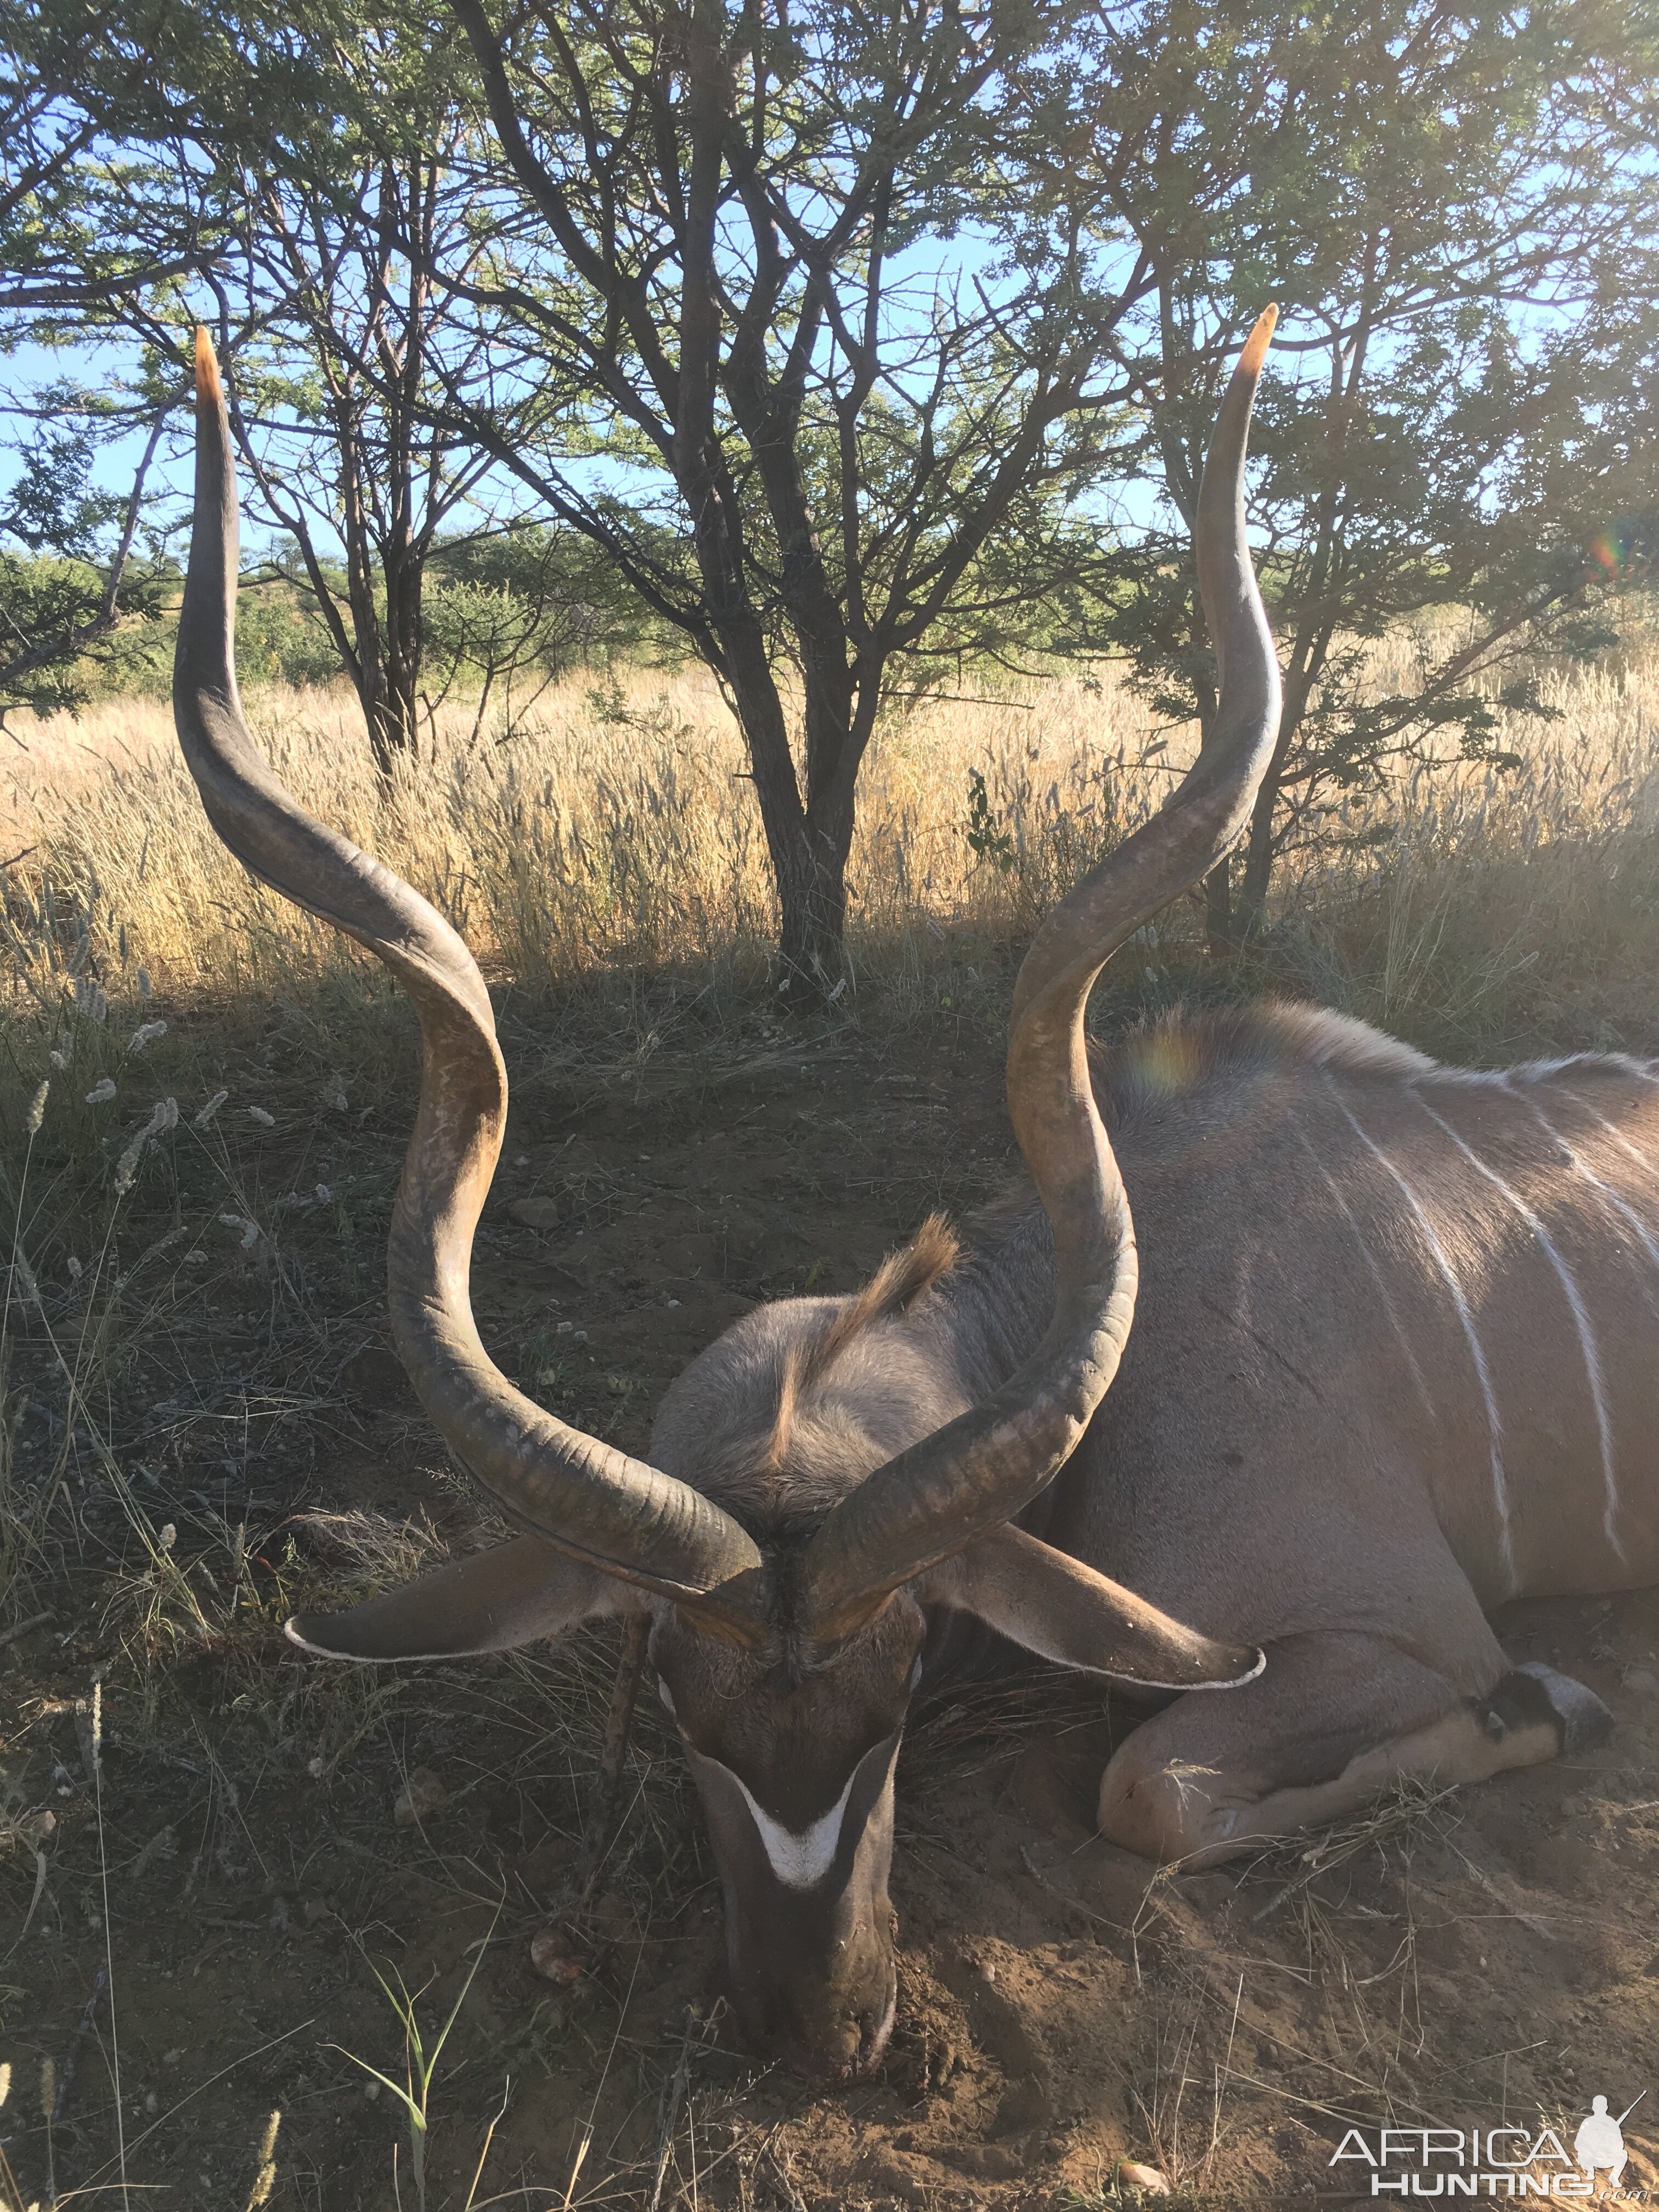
38,1108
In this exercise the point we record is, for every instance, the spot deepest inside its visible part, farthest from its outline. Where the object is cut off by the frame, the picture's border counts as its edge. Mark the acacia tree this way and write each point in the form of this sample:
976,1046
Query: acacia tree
81,87
511,611
121,132
332,325
792,435
290,181
71,571
1454,213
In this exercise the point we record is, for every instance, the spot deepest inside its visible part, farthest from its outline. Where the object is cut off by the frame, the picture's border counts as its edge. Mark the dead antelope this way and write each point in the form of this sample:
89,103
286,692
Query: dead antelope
1393,1365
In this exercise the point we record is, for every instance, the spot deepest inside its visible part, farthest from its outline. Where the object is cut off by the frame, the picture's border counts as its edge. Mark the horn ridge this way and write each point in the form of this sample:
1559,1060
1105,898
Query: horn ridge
982,1469
593,1502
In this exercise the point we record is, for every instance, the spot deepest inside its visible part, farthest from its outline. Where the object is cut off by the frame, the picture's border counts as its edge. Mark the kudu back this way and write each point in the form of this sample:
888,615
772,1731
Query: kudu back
1377,1293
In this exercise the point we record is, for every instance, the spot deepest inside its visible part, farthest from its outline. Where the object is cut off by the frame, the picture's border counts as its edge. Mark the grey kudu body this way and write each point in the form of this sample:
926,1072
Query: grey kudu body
1350,1415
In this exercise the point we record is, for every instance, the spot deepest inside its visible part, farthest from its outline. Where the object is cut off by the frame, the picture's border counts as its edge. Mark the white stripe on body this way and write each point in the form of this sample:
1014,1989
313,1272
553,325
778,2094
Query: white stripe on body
1626,1213
1581,1317
1448,1276
1377,1276
1613,1130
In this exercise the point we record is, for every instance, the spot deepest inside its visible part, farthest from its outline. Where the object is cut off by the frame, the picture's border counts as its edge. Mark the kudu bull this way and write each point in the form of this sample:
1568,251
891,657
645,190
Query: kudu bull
1393,1365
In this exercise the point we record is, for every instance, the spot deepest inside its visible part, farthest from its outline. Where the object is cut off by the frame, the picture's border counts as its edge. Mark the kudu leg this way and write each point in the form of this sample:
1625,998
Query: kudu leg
1336,1721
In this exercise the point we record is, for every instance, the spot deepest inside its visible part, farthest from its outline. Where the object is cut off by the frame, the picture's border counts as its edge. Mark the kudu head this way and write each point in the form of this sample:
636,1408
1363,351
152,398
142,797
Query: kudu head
785,1564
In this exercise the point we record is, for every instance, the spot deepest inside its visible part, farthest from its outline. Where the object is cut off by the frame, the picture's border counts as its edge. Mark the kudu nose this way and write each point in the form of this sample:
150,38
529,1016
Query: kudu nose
841,2045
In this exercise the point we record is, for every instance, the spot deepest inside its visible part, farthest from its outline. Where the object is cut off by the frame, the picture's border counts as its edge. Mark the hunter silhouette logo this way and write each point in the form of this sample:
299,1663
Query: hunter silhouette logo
1501,2161
1598,2145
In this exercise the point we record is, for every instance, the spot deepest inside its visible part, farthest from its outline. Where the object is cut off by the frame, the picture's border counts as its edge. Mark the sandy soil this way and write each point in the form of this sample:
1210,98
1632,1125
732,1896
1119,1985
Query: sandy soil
1485,1957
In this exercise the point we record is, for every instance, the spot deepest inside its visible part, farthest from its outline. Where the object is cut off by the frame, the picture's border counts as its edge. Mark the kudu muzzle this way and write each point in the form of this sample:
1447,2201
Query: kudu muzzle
808,1927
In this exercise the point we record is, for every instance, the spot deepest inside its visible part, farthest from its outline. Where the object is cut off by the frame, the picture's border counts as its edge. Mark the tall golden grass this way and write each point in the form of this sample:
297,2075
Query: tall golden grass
617,828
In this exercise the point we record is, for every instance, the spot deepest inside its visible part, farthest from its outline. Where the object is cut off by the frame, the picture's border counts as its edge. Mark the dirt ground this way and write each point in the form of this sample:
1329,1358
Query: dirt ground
236,1868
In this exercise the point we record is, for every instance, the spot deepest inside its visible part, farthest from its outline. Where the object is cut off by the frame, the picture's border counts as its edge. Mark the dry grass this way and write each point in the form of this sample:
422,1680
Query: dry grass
617,830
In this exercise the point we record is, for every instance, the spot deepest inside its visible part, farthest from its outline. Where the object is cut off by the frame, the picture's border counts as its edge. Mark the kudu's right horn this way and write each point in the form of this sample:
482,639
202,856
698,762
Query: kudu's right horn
592,1502
979,1470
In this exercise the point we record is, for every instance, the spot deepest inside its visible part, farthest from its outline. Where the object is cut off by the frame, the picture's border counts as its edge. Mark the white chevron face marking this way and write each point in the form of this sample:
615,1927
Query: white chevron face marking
798,1856
1448,1275
1580,1315
1369,1257
1626,1213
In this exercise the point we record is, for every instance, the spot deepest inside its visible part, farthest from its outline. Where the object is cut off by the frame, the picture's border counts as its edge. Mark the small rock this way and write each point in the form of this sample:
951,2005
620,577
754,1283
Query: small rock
422,1793
535,1213
551,1955
1146,2178
1641,1679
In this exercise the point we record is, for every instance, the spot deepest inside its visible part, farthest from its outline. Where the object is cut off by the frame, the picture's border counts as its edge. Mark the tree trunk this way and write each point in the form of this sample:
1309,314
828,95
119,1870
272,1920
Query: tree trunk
1259,849
1219,907
387,682
392,726
1258,858
389,654
808,848
808,845
812,895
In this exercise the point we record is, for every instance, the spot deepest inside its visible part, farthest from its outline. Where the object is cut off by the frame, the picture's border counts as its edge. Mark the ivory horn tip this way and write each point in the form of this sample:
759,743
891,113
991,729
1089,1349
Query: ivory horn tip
1255,346
207,369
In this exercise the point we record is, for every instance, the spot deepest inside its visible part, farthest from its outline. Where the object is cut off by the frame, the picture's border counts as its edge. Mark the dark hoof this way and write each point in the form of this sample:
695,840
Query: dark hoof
1536,1693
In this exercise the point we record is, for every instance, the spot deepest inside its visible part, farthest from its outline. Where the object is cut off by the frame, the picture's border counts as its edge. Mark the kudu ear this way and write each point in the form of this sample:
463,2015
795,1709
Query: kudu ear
511,1595
1061,1610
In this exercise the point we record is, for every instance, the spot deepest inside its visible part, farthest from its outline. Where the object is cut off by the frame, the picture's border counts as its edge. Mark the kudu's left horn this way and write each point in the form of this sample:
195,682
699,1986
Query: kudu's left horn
589,1500
934,1499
